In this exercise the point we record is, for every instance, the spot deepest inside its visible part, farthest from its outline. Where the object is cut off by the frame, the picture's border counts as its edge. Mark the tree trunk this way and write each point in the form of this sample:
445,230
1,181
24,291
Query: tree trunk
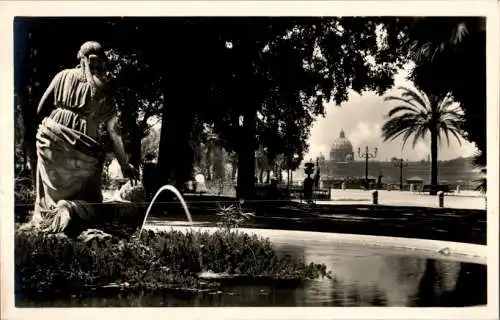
234,169
288,178
166,147
261,175
246,155
434,161
176,156
208,163
218,163
135,149
130,129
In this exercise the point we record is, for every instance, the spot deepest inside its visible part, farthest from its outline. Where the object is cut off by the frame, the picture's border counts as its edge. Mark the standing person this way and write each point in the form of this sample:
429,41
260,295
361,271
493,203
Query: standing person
317,175
379,181
69,152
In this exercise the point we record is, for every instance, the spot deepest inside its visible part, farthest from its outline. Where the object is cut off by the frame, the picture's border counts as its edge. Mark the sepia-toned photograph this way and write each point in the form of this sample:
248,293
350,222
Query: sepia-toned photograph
250,161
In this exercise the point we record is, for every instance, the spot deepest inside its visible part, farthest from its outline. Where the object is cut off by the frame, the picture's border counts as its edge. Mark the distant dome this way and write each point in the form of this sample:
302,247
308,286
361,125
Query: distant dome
341,150
342,144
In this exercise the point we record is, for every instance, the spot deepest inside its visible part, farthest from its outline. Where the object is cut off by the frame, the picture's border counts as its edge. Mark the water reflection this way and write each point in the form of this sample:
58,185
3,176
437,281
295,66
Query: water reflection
361,277
364,277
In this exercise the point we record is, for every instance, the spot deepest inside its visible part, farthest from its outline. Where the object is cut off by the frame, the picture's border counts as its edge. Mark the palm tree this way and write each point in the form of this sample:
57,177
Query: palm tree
439,47
419,115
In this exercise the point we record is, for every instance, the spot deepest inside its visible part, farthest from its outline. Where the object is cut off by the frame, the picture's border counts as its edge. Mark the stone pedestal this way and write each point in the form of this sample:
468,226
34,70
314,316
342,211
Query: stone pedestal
441,199
375,197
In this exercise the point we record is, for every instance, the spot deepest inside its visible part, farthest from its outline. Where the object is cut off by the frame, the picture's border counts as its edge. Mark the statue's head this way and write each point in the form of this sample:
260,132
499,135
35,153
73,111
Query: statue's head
309,168
94,52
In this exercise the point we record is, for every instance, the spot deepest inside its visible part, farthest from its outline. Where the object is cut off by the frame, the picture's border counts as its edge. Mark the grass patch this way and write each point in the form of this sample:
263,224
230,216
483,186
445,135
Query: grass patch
165,260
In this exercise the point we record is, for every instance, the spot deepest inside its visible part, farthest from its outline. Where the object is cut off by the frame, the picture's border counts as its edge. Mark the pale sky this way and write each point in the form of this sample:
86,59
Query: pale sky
362,118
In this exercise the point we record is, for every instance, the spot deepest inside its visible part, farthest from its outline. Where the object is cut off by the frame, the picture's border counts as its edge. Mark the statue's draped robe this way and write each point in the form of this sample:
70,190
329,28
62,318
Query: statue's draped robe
70,156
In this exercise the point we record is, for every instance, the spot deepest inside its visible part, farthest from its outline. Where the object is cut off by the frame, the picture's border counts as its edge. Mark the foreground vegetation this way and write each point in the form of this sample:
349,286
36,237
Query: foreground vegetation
164,260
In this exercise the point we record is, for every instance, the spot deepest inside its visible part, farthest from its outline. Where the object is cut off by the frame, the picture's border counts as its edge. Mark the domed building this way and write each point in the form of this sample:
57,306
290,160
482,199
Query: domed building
341,150
344,166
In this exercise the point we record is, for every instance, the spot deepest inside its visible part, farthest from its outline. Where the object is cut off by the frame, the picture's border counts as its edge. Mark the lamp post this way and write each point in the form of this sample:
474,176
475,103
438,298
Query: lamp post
367,155
400,163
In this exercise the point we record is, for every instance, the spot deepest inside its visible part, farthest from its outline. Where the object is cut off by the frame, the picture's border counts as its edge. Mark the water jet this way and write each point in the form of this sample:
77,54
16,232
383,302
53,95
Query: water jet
175,191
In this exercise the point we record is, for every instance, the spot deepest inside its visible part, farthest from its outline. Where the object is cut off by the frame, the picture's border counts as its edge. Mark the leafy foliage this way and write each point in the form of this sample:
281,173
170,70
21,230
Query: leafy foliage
273,74
24,192
135,87
450,57
150,143
279,73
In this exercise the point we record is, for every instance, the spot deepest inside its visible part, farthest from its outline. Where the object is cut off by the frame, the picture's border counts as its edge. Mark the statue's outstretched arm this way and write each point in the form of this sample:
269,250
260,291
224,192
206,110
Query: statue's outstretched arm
43,101
116,139
127,169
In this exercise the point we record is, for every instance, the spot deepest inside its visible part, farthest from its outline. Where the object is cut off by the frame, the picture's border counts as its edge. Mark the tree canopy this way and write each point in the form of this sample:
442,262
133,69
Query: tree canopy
258,81
450,57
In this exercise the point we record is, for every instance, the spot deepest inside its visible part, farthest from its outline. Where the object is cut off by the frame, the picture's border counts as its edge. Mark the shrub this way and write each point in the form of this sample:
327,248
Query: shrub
156,260
24,192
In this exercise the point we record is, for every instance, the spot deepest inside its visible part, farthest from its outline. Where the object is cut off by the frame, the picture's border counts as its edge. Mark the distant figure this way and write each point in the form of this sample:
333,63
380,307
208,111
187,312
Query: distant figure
308,189
317,176
379,181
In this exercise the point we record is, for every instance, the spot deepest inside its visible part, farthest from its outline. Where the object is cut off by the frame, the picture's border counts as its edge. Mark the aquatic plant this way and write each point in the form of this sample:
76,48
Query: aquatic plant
51,264
232,216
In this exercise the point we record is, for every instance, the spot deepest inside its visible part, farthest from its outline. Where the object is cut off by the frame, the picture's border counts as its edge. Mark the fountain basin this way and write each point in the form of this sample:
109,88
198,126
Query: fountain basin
366,271
457,251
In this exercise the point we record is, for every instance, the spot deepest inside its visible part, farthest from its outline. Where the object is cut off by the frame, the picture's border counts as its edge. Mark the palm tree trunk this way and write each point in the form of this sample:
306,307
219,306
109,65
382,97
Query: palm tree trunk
434,161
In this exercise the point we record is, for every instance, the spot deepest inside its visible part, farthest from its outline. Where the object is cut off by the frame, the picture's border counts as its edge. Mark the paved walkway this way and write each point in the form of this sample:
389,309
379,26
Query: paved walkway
464,200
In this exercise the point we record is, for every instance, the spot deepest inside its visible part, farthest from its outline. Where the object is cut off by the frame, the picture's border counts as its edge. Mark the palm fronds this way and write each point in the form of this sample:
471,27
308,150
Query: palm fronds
417,115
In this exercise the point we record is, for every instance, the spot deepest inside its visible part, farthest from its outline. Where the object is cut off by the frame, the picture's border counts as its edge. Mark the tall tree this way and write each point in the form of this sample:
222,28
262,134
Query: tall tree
300,63
419,115
450,56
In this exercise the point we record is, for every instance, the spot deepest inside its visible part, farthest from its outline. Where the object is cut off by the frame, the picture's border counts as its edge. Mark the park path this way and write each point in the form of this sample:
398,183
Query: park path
463,200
